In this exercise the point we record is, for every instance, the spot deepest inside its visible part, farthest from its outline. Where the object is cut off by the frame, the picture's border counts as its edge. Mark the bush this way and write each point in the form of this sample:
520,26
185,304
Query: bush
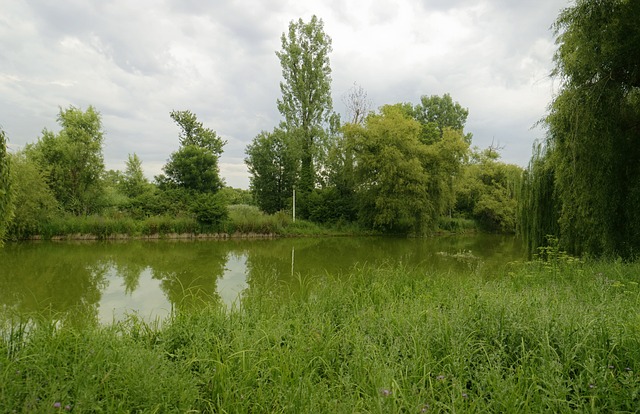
209,209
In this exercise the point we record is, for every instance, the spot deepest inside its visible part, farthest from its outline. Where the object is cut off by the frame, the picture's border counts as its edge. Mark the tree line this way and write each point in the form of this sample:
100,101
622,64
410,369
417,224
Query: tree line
402,169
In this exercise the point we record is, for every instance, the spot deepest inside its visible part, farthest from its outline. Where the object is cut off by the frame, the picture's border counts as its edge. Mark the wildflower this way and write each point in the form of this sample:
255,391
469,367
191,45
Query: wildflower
385,392
440,377
464,395
425,408
591,386
57,404
67,407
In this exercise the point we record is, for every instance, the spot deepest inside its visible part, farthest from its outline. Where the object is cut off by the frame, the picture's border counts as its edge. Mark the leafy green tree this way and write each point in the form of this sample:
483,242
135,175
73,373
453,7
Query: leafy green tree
442,128
133,182
392,181
538,203
35,199
195,165
486,191
593,129
273,162
209,209
237,196
436,113
6,192
72,160
306,103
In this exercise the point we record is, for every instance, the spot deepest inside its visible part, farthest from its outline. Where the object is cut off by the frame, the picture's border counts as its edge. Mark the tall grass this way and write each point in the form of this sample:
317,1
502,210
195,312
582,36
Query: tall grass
541,337
243,219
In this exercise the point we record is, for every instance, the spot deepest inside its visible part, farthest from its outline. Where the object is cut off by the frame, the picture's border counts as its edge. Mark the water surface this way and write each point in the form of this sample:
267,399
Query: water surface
151,278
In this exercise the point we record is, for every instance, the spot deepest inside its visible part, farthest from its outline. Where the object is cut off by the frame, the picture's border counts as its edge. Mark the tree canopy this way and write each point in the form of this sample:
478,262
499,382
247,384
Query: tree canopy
72,160
306,103
195,165
6,193
273,163
594,129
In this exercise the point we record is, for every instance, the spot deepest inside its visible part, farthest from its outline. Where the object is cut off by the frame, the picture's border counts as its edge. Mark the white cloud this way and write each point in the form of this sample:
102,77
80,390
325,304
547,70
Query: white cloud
137,61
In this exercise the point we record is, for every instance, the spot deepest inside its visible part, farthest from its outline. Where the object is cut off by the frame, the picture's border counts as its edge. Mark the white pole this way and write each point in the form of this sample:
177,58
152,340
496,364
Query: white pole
293,258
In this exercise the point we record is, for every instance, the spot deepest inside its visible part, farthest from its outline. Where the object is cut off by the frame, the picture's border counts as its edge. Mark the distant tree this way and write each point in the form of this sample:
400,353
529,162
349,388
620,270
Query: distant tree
357,103
35,199
486,190
306,102
392,182
237,196
133,182
6,191
436,113
72,160
195,165
273,163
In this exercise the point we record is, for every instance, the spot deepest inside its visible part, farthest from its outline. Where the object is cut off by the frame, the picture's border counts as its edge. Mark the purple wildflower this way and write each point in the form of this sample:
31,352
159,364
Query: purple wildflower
57,404
67,407
385,392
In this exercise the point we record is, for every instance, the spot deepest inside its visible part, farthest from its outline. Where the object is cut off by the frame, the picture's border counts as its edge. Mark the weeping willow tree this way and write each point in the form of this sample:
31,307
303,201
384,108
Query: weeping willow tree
538,203
593,151
6,193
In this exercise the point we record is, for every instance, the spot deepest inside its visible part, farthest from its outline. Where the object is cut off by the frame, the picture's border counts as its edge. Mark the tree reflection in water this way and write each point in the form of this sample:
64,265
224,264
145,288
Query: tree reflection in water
105,280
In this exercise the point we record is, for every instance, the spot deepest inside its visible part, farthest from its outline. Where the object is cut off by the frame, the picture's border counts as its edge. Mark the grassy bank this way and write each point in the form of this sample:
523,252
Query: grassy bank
242,220
556,337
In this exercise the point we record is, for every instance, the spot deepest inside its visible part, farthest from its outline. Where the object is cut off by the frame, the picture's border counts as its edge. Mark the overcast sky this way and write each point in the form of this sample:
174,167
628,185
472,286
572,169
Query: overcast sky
136,61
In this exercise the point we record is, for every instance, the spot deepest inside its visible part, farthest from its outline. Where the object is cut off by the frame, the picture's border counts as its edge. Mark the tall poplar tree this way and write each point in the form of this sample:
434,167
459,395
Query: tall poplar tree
306,103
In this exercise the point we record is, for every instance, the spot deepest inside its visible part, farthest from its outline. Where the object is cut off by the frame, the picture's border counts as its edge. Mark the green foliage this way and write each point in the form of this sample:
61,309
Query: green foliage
249,219
436,113
72,160
392,183
377,339
538,204
192,168
487,190
6,190
36,202
133,182
195,165
273,162
306,102
237,196
331,205
593,126
402,183
209,209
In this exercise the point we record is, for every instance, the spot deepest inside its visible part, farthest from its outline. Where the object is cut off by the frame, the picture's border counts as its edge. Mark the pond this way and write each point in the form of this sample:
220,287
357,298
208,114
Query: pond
152,278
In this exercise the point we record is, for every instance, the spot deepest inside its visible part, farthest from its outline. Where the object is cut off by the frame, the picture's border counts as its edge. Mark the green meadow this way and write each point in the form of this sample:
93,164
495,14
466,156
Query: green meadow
555,336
